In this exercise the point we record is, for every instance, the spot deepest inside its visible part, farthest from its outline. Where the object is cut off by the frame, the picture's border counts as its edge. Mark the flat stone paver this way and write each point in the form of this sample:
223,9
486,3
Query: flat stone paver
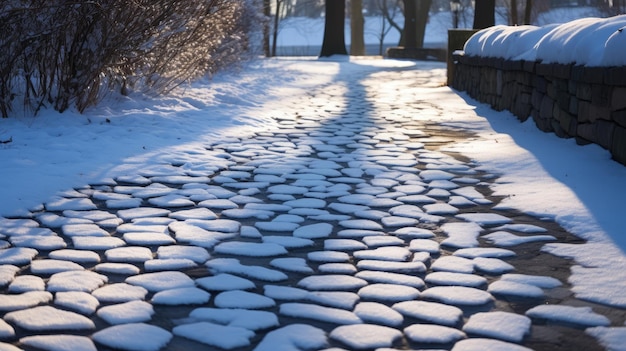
345,227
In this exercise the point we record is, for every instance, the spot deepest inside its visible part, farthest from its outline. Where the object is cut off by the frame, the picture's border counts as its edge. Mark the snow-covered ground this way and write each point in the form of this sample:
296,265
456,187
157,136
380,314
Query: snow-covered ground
577,186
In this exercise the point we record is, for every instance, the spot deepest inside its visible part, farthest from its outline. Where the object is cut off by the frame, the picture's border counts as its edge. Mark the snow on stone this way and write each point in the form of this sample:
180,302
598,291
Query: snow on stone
85,281
81,302
365,336
536,280
453,264
378,241
96,243
119,292
291,264
489,252
148,238
133,337
319,313
160,281
55,221
83,230
377,313
480,344
328,256
79,256
218,204
488,219
432,174
117,268
169,264
242,299
523,228
44,243
140,212
506,239
424,245
196,254
47,318
498,325
612,338
224,337
128,312
288,242
128,254
17,256
458,295
409,211
430,311
358,233
365,224
460,201
331,282
493,266
387,253
461,235
337,268
250,249
27,230
293,337
181,296
59,342
13,302
440,209
51,266
171,200
61,204
119,204
390,266
347,208
233,266
7,274
388,292
397,221
433,334
458,279
414,233
236,317
194,213
23,283
250,232
417,199
583,316
243,213
470,193
391,278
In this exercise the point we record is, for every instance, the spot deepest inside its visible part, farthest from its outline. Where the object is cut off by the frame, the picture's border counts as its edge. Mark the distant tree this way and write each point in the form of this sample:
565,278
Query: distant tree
388,9
267,12
484,14
415,20
334,27
528,11
357,22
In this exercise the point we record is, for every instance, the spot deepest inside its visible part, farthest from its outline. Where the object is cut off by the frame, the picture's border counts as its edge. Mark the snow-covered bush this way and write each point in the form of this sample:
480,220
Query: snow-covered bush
60,53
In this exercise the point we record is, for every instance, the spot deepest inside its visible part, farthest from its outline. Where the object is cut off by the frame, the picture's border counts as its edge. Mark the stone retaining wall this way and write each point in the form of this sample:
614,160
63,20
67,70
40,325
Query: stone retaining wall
586,103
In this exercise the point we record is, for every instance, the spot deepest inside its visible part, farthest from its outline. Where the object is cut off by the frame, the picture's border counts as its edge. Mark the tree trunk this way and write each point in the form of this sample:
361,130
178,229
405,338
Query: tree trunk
484,14
409,34
514,12
276,21
267,12
334,27
357,43
528,11
423,9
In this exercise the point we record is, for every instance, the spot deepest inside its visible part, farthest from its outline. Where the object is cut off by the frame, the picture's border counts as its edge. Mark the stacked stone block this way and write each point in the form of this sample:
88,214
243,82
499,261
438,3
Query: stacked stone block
586,103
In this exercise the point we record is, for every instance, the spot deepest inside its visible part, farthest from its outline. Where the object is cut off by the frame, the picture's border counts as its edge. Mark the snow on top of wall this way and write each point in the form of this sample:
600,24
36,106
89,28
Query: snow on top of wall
586,41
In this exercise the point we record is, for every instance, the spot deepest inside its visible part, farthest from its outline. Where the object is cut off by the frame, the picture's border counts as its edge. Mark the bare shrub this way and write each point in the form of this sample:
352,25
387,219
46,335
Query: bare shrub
61,53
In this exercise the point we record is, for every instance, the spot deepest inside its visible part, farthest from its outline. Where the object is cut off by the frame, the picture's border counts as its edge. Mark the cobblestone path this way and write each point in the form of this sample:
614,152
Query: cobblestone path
346,227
